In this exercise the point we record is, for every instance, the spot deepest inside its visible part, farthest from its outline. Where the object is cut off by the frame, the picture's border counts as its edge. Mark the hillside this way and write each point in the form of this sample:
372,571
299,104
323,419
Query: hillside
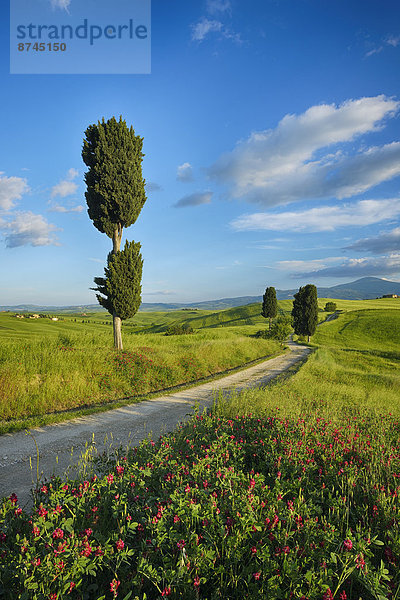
365,288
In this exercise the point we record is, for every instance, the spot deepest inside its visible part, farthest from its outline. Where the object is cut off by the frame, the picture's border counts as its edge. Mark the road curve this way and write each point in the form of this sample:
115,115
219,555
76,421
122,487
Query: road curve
60,446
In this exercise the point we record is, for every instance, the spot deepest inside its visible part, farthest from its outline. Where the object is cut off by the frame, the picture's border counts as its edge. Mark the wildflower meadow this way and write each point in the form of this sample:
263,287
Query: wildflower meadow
270,507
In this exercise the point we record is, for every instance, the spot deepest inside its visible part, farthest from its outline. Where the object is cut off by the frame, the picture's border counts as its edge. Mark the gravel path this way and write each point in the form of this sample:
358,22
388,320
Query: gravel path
61,446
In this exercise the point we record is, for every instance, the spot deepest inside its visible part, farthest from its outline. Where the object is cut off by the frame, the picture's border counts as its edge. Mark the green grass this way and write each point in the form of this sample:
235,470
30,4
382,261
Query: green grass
285,492
47,367
354,370
50,367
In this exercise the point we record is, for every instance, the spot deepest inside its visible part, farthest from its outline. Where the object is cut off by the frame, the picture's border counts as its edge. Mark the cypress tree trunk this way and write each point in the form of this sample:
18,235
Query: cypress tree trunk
117,323
117,237
270,323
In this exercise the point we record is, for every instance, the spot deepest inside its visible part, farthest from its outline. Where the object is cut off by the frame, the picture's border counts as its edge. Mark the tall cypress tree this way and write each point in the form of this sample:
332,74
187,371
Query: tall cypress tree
119,291
269,305
305,311
115,196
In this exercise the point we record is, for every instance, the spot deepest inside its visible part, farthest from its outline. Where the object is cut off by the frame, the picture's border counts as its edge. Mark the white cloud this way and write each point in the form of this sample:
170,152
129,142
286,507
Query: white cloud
62,209
66,187
385,243
160,293
63,189
359,267
63,4
72,173
235,263
324,218
194,199
306,265
152,186
28,229
285,164
377,50
204,27
218,6
393,40
11,189
184,172
97,260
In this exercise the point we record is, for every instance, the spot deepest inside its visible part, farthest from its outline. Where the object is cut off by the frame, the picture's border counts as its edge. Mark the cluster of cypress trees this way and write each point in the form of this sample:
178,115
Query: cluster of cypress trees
304,311
115,196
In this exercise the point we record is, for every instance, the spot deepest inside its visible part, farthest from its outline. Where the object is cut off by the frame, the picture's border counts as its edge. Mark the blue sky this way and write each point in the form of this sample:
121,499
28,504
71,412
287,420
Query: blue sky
272,153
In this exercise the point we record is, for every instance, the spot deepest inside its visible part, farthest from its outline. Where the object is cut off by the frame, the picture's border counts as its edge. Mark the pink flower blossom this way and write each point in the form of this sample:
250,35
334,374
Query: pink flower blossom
347,544
58,533
120,545
114,585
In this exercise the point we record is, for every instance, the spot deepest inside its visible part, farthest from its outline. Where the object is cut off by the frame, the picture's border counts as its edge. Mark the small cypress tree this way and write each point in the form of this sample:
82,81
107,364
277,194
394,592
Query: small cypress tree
115,192
269,305
119,291
305,311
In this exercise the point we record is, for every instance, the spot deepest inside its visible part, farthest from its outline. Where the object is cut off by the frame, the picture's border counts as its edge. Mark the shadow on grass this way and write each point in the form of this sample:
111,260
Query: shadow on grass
387,354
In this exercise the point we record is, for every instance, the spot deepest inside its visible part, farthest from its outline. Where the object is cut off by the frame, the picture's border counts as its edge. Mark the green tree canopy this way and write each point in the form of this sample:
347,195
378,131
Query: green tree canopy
305,311
269,305
115,191
330,307
281,328
119,291
115,195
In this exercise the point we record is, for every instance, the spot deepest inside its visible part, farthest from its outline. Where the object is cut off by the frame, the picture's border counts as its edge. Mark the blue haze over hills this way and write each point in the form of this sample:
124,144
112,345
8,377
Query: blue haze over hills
366,288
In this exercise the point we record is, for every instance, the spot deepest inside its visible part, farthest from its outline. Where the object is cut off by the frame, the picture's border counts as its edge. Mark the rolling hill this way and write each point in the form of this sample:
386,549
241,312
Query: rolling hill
365,288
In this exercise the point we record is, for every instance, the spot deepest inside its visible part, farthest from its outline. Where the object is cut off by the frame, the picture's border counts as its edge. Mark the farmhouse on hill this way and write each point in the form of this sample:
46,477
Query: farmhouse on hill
390,296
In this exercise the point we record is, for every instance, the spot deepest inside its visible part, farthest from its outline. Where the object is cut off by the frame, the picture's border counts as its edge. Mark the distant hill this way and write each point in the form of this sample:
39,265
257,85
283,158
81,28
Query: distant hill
366,288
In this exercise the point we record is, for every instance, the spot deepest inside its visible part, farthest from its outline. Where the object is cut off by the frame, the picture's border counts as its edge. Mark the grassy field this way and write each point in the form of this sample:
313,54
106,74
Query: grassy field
355,368
47,367
288,492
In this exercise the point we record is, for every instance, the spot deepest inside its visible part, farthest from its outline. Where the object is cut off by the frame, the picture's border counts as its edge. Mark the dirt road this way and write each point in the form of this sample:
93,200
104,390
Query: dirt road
129,424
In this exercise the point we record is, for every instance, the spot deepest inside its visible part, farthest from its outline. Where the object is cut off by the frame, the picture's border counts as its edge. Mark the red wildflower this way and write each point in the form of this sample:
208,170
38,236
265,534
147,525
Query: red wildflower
166,591
360,562
114,585
328,595
42,512
347,544
58,533
257,575
120,545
